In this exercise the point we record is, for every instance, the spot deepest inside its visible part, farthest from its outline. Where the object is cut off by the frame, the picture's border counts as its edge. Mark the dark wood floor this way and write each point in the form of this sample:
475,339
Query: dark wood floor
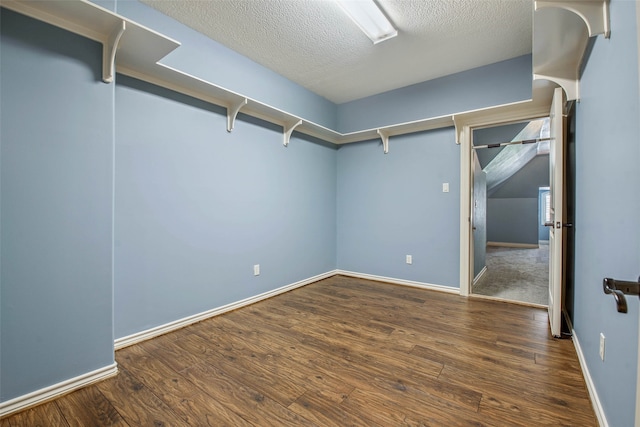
342,352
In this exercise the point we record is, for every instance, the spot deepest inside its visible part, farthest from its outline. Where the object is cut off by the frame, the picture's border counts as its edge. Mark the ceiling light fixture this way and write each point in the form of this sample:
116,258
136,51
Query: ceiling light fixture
370,19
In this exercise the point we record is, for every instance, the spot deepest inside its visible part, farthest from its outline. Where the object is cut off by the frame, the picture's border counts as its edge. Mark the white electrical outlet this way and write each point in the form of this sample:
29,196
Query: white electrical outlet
445,187
601,346
256,270
409,259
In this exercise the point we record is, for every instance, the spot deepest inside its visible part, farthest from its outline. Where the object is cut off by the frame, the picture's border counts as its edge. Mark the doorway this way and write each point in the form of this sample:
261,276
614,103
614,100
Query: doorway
510,173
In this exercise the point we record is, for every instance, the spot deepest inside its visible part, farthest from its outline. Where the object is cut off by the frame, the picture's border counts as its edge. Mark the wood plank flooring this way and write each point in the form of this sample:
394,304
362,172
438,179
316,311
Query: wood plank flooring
341,352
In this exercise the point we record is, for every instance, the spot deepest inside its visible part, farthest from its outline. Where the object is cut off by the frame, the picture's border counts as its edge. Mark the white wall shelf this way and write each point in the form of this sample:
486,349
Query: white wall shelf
134,44
594,13
134,50
561,30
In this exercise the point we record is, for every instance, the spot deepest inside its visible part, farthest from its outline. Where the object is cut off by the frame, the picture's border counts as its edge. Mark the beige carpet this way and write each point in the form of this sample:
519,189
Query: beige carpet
516,274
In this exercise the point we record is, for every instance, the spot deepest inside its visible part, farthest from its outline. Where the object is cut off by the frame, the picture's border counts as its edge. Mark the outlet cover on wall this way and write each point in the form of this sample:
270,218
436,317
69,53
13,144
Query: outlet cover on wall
445,187
409,259
256,270
601,346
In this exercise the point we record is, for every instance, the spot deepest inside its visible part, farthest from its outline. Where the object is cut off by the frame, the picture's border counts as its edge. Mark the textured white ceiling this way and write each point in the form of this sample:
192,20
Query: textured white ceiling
313,42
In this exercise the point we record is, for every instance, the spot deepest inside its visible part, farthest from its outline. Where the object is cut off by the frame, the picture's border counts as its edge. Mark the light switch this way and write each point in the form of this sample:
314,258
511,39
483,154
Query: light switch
445,187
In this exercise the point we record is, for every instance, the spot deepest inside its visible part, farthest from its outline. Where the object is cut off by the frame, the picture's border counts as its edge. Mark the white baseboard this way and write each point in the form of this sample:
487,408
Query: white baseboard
593,394
514,245
402,282
37,397
186,321
479,276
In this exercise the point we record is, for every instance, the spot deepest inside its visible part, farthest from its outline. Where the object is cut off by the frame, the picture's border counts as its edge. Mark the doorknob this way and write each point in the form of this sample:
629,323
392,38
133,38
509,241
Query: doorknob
618,288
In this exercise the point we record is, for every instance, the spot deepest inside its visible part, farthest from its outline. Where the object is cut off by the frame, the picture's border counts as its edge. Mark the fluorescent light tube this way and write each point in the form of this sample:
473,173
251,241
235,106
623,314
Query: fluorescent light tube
370,19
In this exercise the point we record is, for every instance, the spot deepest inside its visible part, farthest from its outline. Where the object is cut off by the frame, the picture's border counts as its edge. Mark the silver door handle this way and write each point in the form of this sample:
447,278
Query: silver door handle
620,288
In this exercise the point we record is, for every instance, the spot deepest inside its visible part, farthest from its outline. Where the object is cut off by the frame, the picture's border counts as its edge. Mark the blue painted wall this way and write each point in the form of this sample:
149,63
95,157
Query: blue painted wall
512,207
197,207
392,205
56,207
229,69
607,229
512,220
500,83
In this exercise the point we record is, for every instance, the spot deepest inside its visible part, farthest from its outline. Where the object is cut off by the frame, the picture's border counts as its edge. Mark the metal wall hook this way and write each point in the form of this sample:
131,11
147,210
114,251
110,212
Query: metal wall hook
618,288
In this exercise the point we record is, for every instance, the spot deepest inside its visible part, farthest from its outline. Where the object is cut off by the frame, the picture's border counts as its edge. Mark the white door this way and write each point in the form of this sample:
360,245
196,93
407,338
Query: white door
556,232
638,374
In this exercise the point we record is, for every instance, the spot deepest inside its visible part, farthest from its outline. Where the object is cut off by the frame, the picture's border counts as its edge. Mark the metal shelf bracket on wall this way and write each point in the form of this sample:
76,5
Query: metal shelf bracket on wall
288,130
109,48
384,135
232,112
457,124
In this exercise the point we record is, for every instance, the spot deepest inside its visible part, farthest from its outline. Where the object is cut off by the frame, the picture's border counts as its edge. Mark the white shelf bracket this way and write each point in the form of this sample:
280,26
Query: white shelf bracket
571,86
457,123
232,112
384,135
594,13
109,48
288,130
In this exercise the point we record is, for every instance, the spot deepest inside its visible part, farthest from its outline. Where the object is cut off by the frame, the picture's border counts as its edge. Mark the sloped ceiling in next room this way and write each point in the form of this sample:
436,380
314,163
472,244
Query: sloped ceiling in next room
501,163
